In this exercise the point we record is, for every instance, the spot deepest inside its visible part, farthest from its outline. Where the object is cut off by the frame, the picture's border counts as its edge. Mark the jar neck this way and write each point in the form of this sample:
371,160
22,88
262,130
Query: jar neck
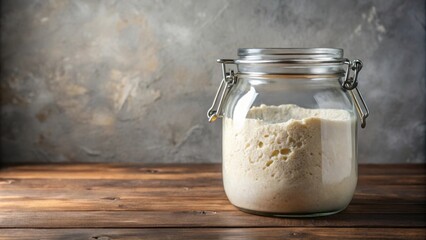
290,81
326,70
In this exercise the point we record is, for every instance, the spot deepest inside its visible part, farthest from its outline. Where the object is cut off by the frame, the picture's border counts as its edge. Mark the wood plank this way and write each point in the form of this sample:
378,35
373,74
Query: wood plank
112,204
392,193
140,171
389,194
161,204
137,219
413,179
156,204
113,184
177,198
216,233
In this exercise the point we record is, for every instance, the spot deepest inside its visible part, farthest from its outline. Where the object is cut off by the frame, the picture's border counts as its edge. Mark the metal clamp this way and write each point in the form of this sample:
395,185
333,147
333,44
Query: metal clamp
351,83
229,79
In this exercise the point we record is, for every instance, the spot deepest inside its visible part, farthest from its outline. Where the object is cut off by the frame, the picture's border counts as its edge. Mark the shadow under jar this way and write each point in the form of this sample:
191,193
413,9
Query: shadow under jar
290,130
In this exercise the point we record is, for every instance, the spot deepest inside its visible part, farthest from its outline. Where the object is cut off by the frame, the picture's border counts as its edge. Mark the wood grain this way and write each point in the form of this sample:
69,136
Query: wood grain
290,233
201,218
164,199
73,201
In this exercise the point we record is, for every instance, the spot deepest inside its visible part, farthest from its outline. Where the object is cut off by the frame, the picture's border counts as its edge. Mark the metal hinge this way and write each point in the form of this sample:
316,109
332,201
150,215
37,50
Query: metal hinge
351,84
228,81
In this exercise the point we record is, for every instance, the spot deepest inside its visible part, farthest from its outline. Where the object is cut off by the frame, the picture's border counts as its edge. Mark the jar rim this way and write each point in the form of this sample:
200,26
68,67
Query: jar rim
289,61
286,53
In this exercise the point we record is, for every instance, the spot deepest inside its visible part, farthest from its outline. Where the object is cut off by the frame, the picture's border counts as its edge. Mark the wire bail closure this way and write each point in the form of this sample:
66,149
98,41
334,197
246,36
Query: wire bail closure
351,84
229,79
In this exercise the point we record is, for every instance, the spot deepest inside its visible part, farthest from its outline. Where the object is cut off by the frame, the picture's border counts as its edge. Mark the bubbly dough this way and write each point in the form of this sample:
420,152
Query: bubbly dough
288,159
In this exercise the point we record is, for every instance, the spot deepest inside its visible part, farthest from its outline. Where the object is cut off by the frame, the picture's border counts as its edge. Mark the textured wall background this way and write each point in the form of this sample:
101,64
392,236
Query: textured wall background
132,80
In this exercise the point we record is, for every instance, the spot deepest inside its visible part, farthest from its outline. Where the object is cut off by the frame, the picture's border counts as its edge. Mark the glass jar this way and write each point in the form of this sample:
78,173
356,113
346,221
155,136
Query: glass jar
289,130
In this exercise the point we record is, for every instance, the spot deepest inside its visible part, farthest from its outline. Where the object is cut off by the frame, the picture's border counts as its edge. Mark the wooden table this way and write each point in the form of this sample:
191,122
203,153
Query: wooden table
117,201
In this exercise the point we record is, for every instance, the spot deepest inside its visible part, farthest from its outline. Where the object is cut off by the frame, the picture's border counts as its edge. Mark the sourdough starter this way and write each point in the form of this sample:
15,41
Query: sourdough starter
293,160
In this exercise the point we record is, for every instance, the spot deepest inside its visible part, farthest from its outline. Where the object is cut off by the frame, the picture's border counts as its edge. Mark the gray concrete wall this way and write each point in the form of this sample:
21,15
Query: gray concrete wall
132,80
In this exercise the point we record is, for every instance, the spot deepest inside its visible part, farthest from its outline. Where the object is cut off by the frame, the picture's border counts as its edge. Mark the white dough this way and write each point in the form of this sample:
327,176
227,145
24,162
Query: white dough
288,159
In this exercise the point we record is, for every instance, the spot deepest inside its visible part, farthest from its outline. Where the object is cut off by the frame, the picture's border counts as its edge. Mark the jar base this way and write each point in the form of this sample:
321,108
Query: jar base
290,215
